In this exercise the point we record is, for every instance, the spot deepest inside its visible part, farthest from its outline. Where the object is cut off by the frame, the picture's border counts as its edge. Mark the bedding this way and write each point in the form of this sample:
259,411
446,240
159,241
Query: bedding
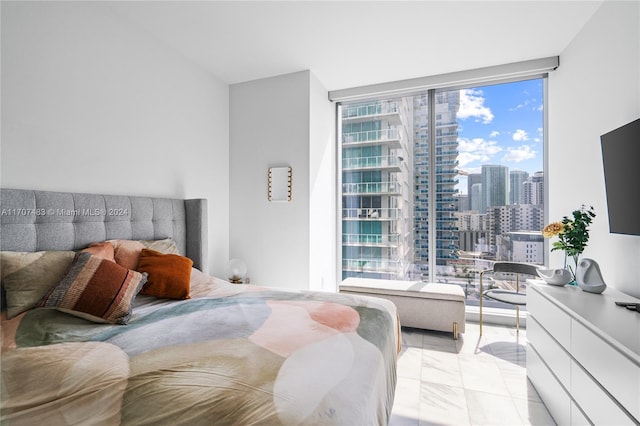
231,354
228,354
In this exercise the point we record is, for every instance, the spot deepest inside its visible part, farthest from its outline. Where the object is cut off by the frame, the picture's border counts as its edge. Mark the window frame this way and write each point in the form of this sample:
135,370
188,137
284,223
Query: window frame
549,65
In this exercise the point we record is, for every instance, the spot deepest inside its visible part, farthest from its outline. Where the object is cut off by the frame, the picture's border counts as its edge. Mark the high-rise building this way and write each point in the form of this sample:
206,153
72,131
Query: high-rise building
473,231
521,246
376,189
463,202
534,189
474,199
517,178
513,218
495,186
475,203
446,162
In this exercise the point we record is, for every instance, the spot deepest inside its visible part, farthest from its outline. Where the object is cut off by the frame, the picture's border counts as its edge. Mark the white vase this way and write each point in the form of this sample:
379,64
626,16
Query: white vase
555,276
589,277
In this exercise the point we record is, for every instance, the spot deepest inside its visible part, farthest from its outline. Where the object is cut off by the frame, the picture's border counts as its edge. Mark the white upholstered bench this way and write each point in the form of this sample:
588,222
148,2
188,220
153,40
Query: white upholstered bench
423,305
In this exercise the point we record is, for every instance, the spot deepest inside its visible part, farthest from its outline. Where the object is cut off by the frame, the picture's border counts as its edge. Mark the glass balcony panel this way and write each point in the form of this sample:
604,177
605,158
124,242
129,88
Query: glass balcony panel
371,265
372,188
370,238
371,162
370,109
371,213
369,136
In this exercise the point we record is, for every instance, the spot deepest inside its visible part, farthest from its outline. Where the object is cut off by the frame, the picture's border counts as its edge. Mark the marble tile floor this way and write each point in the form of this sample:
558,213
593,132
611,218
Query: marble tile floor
470,381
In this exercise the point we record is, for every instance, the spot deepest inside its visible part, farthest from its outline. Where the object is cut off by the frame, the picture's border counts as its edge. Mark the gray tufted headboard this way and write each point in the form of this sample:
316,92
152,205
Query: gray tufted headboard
45,220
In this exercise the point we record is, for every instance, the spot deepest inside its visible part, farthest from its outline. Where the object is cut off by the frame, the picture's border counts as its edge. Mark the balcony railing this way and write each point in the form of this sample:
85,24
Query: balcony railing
370,265
369,136
371,162
372,188
370,109
370,239
371,213
447,162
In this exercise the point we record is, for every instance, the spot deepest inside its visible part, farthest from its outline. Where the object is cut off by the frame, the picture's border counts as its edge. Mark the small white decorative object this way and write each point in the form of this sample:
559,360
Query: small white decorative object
589,277
555,276
236,271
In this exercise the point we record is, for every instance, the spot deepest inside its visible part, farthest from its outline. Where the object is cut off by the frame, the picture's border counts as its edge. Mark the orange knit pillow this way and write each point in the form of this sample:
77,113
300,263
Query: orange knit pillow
169,275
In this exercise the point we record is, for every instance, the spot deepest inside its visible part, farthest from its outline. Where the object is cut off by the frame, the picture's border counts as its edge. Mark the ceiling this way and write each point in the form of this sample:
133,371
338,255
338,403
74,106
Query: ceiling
353,43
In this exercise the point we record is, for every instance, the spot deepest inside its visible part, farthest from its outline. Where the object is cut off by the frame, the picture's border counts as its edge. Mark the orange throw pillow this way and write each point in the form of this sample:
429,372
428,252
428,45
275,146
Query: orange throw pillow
169,275
127,252
102,250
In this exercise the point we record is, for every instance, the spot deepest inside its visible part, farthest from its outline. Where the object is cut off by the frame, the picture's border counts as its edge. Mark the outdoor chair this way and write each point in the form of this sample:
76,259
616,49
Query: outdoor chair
513,297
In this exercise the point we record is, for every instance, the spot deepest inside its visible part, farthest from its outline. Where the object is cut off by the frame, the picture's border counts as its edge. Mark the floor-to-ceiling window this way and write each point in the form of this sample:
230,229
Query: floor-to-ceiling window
442,202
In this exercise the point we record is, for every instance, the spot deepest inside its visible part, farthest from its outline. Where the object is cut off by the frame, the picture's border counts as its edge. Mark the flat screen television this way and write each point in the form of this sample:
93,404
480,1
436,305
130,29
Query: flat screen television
621,161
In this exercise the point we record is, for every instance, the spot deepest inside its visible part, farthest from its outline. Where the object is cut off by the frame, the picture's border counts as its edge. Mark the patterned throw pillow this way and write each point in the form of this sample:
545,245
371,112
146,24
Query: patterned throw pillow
96,289
169,274
26,276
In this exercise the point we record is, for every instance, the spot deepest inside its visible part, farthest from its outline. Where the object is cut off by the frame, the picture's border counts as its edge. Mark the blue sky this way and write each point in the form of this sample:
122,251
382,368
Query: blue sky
501,124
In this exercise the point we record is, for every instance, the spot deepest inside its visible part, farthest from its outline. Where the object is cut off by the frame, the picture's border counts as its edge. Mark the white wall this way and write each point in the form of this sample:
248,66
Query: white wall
269,127
595,89
282,121
322,190
92,104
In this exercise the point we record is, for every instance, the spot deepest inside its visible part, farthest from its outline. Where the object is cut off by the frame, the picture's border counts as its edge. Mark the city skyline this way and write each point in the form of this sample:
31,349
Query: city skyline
501,124
487,140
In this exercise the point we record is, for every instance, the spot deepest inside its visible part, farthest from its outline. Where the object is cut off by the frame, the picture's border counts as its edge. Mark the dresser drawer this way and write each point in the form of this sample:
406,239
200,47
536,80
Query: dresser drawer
558,360
555,321
614,371
552,393
577,416
594,401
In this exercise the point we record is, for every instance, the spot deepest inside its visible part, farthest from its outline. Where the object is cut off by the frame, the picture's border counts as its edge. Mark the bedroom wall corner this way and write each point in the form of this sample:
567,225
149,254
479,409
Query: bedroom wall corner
323,213
91,103
269,127
596,89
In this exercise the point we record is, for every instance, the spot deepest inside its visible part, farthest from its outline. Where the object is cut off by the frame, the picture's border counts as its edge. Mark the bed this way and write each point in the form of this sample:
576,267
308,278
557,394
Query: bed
220,354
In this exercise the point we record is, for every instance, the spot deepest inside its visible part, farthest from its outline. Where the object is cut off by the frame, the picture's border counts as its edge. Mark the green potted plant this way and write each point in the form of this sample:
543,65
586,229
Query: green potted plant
573,235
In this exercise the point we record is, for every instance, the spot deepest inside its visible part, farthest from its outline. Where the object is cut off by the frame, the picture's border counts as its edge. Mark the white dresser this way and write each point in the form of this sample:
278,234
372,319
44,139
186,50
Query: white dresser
583,354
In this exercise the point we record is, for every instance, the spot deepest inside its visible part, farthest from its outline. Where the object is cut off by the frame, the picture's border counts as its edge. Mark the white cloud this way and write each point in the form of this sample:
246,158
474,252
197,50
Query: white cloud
538,139
465,158
472,105
519,154
520,135
494,134
531,104
520,106
476,149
